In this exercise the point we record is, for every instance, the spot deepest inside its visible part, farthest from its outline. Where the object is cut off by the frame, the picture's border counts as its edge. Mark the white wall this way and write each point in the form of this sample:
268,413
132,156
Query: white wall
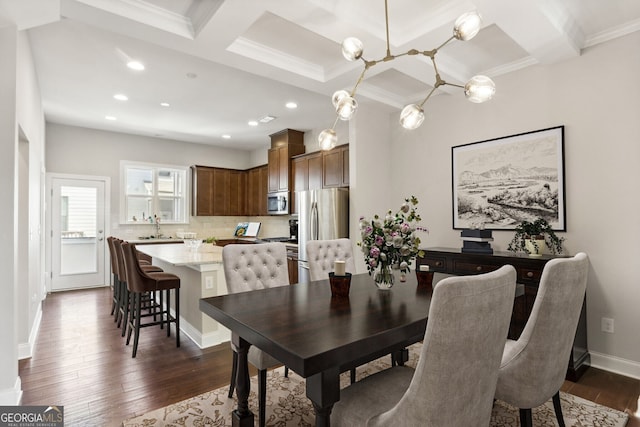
10,389
596,98
20,218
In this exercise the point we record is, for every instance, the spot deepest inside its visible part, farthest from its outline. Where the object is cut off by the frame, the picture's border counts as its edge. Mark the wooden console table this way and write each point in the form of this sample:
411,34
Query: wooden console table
529,269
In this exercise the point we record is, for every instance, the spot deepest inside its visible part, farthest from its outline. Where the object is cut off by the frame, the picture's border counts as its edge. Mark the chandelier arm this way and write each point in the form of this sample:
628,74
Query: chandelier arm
353,91
386,22
428,96
443,44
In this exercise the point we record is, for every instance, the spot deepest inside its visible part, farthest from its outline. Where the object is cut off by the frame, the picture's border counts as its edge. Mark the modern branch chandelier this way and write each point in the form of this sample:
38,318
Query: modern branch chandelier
478,89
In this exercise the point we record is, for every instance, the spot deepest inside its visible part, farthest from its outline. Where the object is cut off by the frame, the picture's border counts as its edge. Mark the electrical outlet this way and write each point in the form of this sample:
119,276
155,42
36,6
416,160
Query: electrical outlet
606,325
208,282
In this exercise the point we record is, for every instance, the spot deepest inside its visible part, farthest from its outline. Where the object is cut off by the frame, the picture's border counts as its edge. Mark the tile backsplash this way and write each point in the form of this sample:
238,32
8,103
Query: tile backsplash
220,227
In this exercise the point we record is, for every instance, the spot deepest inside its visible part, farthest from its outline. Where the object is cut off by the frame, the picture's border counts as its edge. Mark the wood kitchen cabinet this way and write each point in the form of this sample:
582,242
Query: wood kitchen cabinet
256,193
307,174
292,264
219,191
237,192
335,167
284,145
321,169
202,201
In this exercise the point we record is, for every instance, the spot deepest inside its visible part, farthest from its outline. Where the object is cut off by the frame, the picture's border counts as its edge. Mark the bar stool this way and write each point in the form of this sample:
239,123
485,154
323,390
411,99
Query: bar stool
114,271
139,283
124,299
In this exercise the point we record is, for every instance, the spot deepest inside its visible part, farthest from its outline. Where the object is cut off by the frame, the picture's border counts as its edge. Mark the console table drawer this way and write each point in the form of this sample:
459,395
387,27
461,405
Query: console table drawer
465,267
435,263
526,275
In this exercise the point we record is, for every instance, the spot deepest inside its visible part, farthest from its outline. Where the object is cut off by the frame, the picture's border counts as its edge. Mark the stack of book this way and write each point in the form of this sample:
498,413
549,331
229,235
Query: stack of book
476,241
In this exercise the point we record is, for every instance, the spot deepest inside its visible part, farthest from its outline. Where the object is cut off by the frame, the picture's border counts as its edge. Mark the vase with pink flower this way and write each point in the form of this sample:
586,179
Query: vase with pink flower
391,242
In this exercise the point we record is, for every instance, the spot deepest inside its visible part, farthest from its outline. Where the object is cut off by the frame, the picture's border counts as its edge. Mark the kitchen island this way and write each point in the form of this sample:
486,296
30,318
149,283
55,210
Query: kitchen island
201,276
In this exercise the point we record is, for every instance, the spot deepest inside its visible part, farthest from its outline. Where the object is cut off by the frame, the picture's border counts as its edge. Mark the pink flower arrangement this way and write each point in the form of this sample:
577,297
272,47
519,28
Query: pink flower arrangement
392,240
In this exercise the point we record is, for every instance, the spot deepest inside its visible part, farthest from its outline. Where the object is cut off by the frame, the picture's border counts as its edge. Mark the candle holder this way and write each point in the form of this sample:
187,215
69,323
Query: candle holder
340,285
425,278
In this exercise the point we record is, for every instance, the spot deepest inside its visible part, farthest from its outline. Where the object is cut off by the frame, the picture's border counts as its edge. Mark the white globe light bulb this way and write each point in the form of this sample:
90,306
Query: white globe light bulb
479,89
352,48
327,139
467,26
346,108
411,117
338,96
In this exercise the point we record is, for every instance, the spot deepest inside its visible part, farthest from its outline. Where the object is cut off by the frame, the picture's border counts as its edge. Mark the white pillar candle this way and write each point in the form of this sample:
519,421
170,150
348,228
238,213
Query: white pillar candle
424,267
339,268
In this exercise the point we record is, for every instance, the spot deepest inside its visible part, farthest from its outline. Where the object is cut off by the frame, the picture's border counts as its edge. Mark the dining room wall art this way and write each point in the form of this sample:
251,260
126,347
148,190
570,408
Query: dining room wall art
498,183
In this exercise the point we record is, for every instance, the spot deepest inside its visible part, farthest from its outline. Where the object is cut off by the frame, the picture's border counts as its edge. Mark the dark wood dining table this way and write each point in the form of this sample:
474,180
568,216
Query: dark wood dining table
319,336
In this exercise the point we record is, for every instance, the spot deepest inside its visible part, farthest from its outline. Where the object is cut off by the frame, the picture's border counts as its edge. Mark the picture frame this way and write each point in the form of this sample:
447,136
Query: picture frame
498,183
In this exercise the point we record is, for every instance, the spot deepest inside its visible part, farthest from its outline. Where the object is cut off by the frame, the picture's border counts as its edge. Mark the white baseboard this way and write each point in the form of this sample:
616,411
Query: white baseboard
618,365
25,350
12,396
204,340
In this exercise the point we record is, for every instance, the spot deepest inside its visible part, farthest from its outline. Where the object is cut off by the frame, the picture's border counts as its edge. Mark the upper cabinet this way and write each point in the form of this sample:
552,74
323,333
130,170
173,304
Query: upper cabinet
335,167
322,169
218,191
257,191
284,145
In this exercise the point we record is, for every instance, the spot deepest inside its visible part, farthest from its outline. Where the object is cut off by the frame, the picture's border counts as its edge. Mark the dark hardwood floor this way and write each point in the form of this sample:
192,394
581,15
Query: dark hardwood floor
80,361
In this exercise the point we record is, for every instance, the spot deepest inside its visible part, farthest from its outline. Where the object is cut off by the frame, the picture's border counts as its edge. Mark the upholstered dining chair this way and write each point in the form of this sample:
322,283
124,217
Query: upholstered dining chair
249,267
533,368
456,375
321,255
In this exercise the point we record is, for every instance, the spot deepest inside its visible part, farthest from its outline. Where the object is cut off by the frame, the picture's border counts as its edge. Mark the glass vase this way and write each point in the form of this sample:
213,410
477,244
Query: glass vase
383,277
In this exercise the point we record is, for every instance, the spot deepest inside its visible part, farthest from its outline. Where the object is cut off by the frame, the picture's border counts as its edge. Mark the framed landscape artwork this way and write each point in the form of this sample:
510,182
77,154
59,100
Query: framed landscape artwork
501,182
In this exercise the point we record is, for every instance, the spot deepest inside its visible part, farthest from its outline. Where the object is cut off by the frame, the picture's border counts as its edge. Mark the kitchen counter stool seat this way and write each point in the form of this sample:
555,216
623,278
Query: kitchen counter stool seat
139,283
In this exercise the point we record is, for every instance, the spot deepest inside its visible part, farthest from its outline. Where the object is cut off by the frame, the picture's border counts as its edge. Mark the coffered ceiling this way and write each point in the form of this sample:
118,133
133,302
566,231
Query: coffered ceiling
222,63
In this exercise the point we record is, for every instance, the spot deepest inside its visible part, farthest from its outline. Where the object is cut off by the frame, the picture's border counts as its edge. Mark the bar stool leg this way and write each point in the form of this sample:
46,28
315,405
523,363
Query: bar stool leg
167,312
137,314
177,318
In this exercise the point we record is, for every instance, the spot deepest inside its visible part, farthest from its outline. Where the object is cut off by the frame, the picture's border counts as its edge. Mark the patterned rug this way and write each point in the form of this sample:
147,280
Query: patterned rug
287,405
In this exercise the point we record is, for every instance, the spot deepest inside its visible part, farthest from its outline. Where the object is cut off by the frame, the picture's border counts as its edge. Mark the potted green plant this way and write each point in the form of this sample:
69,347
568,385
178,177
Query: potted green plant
532,237
212,240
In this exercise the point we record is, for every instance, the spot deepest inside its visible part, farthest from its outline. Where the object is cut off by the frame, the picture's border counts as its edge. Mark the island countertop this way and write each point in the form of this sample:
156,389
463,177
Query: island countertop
179,254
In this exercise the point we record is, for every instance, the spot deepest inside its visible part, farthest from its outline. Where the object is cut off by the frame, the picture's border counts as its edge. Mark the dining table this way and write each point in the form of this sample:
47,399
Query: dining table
319,336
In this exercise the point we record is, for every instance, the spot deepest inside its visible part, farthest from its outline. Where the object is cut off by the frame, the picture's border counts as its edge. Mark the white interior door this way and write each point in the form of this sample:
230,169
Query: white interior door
77,233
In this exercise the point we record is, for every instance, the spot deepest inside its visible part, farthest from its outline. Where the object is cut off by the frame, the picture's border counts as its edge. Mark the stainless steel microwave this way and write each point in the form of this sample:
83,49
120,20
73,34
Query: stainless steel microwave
278,203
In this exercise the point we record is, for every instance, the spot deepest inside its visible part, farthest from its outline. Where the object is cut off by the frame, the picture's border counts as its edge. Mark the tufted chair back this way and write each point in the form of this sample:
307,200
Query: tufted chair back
321,255
250,267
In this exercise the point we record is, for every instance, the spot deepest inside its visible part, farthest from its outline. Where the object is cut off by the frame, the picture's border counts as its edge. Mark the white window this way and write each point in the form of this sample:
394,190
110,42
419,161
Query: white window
150,191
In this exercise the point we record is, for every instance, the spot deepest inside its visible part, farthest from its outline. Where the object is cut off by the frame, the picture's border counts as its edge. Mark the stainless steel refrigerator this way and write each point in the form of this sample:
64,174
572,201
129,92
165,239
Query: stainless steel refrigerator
322,215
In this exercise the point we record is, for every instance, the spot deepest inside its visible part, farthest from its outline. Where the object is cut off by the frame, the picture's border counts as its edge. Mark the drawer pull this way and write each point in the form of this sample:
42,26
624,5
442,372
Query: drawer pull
529,274
479,268
438,263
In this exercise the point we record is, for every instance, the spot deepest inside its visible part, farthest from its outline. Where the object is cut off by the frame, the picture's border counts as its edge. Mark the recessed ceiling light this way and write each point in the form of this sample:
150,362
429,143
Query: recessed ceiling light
226,136
135,65
165,104
121,97
252,123
266,119
110,118
291,105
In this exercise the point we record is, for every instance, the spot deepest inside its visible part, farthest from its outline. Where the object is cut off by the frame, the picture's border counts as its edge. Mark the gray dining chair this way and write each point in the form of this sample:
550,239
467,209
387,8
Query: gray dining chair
249,267
533,368
455,379
321,255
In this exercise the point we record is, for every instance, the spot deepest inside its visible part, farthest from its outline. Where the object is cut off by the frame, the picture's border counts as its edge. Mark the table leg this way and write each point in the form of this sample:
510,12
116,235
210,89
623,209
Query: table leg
242,417
323,389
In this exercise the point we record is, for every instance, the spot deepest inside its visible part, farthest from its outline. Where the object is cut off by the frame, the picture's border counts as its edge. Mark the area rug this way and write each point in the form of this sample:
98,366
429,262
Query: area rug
287,405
